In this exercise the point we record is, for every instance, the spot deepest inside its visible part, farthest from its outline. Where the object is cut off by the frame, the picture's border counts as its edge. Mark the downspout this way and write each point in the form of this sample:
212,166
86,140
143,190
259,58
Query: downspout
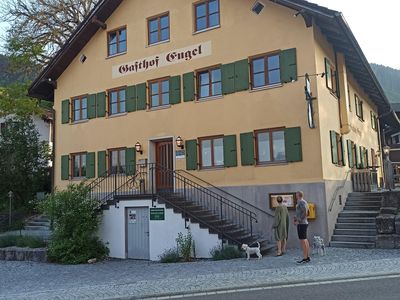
53,140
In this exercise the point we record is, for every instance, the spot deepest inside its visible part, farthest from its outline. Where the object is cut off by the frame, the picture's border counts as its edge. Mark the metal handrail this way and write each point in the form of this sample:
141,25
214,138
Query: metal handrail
333,199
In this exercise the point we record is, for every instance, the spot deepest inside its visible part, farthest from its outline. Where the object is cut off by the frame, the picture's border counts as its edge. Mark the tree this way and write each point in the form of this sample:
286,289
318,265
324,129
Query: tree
24,168
39,28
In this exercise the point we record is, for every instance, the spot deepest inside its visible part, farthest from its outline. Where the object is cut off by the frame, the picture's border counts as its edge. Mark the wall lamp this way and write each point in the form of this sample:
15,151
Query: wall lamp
316,74
386,150
179,142
138,148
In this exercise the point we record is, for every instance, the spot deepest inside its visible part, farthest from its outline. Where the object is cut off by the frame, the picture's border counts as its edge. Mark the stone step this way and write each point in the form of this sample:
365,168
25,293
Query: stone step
353,238
355,226
361,194
363,202
353,231
347,219
359,213
44,228
336,244
38,223
361,208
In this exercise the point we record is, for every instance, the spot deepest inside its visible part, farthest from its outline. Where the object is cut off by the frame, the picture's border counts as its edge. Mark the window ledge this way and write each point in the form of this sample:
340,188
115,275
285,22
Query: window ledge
205,99
161,107
211,169
77,179
158,43
207,29
115,55
266,87
79,122
283,163
117,115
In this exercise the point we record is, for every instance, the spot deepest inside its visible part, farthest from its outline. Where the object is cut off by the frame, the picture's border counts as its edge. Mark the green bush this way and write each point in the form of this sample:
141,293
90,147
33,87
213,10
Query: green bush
21,241
75,216
170,256
185,245
227,252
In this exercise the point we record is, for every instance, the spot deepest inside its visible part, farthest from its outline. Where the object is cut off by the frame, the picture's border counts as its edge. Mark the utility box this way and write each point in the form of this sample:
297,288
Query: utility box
311,211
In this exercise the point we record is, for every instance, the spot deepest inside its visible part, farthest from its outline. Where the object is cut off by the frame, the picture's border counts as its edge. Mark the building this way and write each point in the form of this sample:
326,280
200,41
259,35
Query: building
214,92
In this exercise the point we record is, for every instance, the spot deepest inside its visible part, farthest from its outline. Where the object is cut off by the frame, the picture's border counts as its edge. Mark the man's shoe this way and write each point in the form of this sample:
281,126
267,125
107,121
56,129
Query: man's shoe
304,260
307,260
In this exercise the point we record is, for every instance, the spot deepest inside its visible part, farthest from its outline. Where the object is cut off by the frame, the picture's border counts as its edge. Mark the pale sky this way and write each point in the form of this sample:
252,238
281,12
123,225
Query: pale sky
374,24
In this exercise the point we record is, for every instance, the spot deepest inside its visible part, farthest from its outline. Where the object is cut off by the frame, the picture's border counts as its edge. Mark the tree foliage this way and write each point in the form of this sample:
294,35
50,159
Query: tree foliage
39,28
76,218
389,78
24,160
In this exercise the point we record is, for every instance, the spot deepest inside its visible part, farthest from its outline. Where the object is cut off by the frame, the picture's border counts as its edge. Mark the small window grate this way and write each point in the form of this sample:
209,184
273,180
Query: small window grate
258,7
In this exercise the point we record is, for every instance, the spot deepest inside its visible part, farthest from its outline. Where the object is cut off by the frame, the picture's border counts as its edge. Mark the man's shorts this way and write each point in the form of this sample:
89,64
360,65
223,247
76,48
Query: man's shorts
302,231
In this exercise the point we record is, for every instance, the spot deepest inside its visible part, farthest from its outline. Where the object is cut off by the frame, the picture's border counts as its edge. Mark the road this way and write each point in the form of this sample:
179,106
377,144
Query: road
376,288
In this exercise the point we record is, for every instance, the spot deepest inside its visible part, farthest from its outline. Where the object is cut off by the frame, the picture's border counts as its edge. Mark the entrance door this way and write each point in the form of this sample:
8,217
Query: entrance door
165,165
137,220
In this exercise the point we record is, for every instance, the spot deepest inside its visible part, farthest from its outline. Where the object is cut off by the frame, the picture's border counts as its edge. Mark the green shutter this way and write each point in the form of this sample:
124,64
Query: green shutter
362,162
175,90
242,75
131,98
343,152
130,161
328,74
90,165
247,148
65,112
293,144
191,154
350,154
188,87
334,150
230,152
228,78
91,106
101,104
337,84
288,65
367,158
141,93
101,164
65,167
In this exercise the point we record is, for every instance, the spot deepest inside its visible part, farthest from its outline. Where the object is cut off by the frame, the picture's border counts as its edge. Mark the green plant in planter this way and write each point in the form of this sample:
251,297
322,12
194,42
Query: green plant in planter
76,218
185,243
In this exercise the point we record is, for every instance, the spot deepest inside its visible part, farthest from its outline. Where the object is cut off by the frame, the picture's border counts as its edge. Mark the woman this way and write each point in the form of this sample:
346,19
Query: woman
281,226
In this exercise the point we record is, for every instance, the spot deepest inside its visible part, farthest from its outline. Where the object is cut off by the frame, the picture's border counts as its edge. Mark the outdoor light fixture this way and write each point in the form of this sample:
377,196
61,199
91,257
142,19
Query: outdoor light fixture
386,150
82,58
179,142
138,148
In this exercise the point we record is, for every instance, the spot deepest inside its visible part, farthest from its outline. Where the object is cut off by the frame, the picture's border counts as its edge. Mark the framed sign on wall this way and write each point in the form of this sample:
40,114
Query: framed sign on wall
289,200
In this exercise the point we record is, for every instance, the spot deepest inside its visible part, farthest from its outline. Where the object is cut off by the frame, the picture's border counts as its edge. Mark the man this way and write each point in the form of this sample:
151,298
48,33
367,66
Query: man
302,224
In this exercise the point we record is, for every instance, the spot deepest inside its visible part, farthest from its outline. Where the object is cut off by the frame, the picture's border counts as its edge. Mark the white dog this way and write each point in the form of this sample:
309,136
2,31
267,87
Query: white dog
252,250
318,244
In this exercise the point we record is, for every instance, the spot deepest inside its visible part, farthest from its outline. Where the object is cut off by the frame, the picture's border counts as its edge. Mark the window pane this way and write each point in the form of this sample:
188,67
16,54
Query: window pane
264,153
201,10
122,161
278,138
165,98
77,115
84,103
112,49
258,65
206,153
165,22
204,78
213,6
114,108
216,75
154,101
274,77
164,34
122,95
114,97
84,114
259,80
273,62
201,23
154,88
153,25
214,20
77,104
122,35
154,37
76,166
216,89
219,152
165,86
204,91
122,47
122,107
83,163
112,38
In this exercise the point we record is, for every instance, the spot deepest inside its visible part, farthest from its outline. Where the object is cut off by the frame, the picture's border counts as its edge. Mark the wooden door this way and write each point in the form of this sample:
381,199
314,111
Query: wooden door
165,165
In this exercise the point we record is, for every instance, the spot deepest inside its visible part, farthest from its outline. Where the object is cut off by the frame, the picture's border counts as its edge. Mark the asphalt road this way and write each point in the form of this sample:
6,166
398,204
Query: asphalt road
379,288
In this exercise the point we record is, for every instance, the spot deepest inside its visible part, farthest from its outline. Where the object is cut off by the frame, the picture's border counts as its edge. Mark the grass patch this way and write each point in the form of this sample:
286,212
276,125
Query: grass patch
21,241
224,253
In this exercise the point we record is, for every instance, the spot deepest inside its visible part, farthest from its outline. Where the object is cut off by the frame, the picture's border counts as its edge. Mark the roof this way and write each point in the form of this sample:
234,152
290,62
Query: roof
331,22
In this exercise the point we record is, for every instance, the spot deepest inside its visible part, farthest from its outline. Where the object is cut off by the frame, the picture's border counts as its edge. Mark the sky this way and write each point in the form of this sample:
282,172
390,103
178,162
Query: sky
374,24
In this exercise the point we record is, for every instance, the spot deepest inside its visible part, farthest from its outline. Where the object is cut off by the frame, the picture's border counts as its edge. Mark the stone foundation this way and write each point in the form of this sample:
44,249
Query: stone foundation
388,221
23,254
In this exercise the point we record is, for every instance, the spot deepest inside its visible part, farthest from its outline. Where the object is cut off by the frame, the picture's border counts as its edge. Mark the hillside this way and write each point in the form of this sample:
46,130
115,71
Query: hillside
389,78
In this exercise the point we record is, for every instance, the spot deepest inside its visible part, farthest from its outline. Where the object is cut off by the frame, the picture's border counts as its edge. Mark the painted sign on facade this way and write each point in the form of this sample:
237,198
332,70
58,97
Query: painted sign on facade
161,60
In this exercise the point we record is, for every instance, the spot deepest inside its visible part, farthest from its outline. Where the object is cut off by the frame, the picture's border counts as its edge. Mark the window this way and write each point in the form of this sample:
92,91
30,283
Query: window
340,150
374,121
212,152
117,41
354,154
349,96
78,165
359,107
206,14
373,158
158,28
159,92
257,7
331,77
79,108
209,83
270,146
116,161
116,100
265,70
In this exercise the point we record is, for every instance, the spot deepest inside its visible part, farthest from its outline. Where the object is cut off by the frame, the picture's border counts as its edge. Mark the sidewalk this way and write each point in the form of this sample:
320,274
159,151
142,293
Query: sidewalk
137,279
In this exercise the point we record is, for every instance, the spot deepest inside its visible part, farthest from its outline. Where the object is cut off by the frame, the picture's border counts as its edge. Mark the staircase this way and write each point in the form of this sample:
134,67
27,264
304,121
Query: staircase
38,226
355,227
232,218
